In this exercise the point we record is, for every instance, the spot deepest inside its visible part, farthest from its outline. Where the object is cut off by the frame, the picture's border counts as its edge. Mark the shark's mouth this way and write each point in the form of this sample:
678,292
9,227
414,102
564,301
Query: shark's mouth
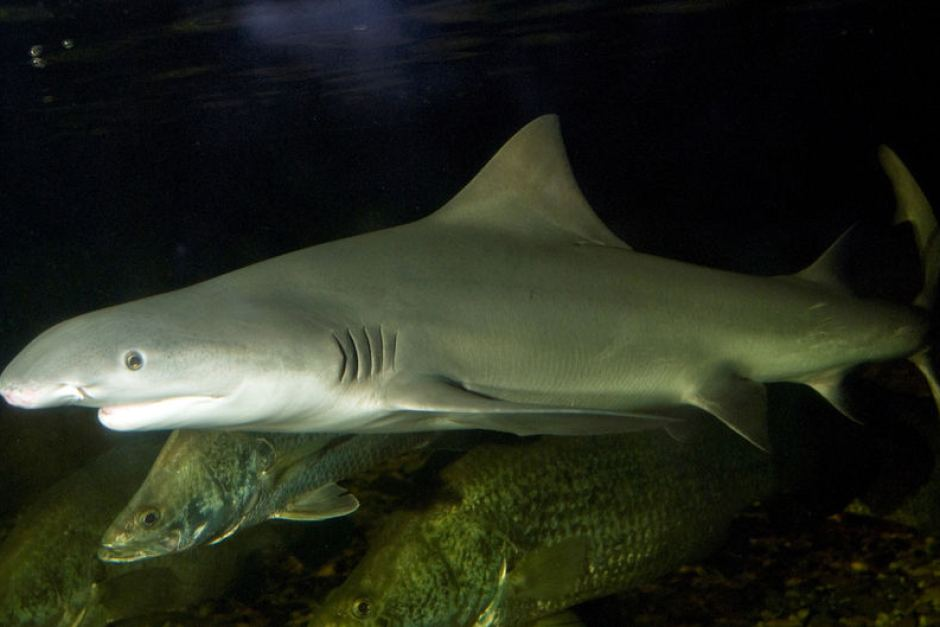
166,413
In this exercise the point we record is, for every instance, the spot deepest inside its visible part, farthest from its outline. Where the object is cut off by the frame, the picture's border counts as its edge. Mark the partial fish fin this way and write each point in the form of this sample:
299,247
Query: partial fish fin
431,404
562,619
912,206
829,386
549,572
329,501
568,423
527,189
739,403
923,363
827,269
491,613
682,431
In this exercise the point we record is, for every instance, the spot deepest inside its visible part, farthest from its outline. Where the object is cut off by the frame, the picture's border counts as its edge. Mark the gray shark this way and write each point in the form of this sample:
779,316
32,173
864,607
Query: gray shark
510,308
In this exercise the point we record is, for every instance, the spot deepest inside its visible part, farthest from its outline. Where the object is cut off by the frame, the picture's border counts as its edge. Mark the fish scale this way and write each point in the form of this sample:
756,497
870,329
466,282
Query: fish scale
573,519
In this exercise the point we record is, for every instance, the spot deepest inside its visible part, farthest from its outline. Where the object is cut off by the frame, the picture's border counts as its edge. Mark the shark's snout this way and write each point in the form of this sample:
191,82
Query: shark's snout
37,396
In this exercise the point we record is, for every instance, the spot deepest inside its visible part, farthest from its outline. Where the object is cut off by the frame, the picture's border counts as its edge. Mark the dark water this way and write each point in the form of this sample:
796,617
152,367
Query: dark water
149,145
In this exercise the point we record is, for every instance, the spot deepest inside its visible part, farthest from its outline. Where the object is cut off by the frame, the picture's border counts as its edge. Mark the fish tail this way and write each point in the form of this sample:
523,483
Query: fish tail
913,208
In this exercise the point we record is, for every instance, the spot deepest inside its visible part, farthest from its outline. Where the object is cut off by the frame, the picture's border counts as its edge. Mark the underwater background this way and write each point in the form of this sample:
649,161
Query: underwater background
145,146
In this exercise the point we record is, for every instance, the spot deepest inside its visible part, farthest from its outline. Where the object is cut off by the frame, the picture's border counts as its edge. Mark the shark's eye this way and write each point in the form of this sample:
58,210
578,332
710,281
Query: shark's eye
148,517
361,607
133,360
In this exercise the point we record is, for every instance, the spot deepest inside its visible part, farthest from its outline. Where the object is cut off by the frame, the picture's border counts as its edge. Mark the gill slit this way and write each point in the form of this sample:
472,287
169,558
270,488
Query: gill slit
365,353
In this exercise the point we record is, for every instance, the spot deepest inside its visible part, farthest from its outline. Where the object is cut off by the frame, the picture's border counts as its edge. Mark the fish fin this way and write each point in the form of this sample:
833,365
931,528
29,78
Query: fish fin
430,404
923,363
827,269
528,189
561,619
913,207
829,386
328,501
548,572
739,403
681,431
525,424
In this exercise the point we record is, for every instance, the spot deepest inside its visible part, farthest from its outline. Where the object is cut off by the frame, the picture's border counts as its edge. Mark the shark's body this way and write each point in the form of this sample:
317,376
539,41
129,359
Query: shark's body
512,308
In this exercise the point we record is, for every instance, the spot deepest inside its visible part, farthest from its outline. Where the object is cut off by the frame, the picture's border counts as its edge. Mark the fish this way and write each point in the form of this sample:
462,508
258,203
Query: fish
519,533
511,308
47,562
50,575
207,485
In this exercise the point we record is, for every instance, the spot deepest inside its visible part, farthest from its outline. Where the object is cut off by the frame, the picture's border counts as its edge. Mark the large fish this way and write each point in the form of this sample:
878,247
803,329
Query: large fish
207,485
511,308
518,533
50,575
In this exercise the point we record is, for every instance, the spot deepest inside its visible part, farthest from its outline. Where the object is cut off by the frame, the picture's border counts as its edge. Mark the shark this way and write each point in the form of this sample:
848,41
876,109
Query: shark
511,308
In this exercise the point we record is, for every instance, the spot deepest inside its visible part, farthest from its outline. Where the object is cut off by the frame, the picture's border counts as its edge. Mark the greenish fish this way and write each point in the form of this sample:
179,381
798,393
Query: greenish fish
520,533
207,485
50,575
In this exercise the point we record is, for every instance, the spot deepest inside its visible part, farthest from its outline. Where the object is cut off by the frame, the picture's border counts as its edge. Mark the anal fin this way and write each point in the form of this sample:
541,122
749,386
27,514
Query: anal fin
829,386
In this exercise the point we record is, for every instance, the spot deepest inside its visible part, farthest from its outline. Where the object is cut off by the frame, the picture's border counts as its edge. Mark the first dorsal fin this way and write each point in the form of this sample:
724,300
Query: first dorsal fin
528,189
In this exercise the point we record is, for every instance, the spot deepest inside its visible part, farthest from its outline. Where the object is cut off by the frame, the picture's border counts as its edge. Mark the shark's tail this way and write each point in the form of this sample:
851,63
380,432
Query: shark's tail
912,207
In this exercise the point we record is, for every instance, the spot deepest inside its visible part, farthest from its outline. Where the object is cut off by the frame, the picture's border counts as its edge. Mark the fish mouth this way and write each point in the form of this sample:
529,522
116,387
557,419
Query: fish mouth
120,552
117,554
165,413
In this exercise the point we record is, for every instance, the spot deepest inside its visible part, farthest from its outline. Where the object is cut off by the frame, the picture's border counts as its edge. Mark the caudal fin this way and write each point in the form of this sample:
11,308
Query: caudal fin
912,207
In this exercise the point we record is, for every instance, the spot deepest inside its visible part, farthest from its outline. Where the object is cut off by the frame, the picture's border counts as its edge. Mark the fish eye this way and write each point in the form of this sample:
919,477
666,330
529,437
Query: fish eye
148,517
133,360
266,454
361,607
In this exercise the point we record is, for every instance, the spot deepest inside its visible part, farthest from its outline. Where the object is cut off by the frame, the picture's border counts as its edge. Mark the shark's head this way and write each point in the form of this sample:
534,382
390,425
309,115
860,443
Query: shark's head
202,488
178,359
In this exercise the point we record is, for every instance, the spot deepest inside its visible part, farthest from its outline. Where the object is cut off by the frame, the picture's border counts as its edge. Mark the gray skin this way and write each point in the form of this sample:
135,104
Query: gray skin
511,308
522,532
207,485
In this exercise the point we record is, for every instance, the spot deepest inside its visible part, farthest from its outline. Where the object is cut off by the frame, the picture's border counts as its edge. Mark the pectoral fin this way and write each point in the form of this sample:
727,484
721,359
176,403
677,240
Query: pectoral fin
329,501
430,403
549,572
739,403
